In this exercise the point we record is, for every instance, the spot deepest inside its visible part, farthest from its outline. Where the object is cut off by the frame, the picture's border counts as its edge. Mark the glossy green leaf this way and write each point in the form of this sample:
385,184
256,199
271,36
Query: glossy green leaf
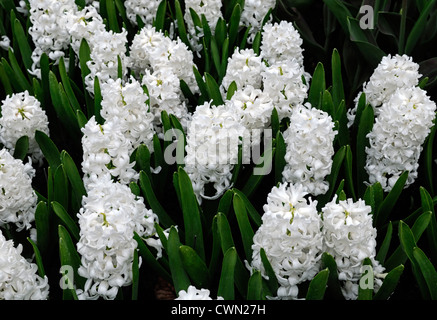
195,267
348,172
428,206
333,289
68,221
244,225
160,16
201,84
226,288
318,86
150,259
389,284
213,90
234,25
142,158
73,175
428,271
191,214
21,148
337,80
112,16
60,189
48,148
254,215
67,85
18,76
390,200
146,186
280,151
180,278
255,286
135,276
38,258
84,57
260,171
23,44
42,223
317,287
181,24
385,245
418,28
272,281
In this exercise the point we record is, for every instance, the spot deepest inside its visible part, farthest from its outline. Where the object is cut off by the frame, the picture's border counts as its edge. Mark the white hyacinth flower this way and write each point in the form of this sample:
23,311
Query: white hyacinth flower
19,279
253,14
309,149
396,140
245,68
192,293
281,42
145,10
211,9
291,238
212,148
22,115
108,219
392,73
350,238
50,22
284,83
17,198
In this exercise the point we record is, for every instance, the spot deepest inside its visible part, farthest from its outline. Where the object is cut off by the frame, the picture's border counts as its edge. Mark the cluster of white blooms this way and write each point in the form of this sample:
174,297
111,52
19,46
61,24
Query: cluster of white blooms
192,293
145,10
290,235
22,115
309,149
396,140
18,277
17,197
392,73
50,21
253,14
349,236
245,68
294,235
127,124
212,147
281,42
211,9
108,219
163,63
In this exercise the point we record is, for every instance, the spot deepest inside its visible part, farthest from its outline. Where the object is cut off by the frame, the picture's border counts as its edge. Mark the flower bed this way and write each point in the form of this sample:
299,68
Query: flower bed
229,150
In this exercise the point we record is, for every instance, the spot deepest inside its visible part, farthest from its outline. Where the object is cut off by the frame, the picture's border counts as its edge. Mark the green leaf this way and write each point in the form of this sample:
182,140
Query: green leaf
317,287
385,246
340,11
390,200
135,275
69,256
67,85
256,44
181,24
234,24
428,271
81,118
73,175
195,267
142,158
112,16
18,76
21,148
272,281
337,80
251,210
25,50
364,127
42,223
334,288
84,57
60,186
150,260
348,172
280,152
318,86
191,214
429,158
337,162
244,225
224,230
160,16
177,271
146,186
226,284
418,28
231,90
48,148
255,286
428,206
68,221
213,90
391,280
38,258
201,84
4,78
